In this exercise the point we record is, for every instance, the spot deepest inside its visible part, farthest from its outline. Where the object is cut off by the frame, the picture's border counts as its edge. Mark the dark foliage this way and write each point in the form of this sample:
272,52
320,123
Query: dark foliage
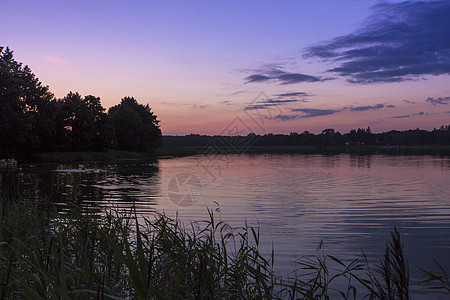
135,126
328,137
32,120
394,271
23,100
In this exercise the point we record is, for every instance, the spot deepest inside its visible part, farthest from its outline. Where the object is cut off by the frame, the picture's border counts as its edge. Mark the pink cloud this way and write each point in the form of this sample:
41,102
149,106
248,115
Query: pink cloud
56,60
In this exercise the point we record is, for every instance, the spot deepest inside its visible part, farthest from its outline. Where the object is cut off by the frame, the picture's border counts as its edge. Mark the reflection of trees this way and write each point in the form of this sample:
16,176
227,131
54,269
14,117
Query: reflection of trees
361,161
124,182
132,182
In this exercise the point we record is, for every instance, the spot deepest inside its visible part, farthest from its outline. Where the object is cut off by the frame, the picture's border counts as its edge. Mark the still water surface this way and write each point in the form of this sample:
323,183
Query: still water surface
350,202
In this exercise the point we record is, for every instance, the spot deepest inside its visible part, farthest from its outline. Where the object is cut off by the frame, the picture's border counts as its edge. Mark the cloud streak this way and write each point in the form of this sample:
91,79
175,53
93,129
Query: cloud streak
257,78
367,107
300,113
271,102
284,117
275,74
304,113
56,60
293,94
315,112
400,41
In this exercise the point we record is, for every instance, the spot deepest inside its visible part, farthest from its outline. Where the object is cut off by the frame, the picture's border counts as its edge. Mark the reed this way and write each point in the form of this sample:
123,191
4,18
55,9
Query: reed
76,254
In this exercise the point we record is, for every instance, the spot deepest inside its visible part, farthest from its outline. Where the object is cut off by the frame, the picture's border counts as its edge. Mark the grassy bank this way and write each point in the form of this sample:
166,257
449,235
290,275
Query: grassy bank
177,151
73,254
69,157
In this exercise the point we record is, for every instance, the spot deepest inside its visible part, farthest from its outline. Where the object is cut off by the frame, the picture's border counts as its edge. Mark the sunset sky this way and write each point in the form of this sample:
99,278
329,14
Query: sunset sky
277,66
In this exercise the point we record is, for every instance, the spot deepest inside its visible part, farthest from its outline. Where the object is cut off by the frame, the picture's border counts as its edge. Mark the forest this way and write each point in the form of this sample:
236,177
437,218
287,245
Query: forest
328,137
32,120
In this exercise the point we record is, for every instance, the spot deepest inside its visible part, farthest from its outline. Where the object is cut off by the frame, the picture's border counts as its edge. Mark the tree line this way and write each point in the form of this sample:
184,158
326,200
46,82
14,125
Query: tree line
361,136
33,120
328,137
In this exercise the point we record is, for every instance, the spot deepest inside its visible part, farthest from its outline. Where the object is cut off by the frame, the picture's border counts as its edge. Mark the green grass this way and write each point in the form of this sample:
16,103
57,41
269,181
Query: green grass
75,254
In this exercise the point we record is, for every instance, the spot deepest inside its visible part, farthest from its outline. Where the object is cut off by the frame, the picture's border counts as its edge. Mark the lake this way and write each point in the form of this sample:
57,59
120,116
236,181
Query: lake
350,202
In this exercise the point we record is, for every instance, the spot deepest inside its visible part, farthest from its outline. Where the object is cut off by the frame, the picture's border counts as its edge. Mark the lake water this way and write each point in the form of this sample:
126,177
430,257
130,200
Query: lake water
349,202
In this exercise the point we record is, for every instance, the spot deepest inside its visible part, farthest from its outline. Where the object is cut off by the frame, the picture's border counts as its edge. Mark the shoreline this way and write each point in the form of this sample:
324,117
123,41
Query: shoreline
169,152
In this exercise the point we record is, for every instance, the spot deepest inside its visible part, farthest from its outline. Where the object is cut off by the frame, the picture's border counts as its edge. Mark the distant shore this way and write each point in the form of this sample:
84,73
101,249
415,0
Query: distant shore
166,152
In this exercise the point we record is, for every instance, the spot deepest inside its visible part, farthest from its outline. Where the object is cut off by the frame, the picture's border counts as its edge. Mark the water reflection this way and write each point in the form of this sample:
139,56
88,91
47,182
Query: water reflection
351,202
93,185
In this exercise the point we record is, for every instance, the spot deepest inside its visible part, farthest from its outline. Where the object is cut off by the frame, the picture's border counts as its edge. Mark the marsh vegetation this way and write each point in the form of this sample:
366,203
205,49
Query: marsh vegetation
47,253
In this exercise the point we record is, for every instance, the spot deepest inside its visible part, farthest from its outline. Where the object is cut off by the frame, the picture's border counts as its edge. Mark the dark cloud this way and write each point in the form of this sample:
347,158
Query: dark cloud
271,102
274,73
400,41
401,117
293,94
290,78
410,102
314,112
440,100
367,107
290,100
291,97
257,78
283,101
257,106
307,113
284,117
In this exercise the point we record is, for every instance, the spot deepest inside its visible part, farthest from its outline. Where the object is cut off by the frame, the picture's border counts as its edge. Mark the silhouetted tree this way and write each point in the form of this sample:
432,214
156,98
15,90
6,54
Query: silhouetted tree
329,137
23,99
103,131
85,124
49,128
31,120
136,128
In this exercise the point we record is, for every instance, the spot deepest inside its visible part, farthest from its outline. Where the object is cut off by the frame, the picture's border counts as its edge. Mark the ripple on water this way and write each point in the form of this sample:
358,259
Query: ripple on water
348,202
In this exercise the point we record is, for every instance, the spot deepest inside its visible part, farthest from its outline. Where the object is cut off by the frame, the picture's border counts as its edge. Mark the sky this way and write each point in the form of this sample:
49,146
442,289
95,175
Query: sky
224,67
